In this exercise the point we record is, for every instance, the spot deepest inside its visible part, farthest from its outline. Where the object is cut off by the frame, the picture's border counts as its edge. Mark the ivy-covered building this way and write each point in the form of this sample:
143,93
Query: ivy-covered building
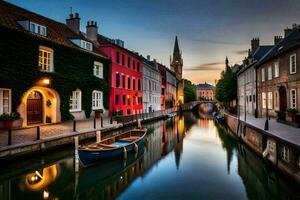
49,71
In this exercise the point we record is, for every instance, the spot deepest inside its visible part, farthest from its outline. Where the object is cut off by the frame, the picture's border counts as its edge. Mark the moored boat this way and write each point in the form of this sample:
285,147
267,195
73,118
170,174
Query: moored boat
112,147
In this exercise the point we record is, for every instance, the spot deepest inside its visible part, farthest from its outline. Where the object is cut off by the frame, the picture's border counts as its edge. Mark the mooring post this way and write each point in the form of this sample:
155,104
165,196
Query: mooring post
98,136
74,126
38,136
101,121
76,142
111,120
95,123
9,136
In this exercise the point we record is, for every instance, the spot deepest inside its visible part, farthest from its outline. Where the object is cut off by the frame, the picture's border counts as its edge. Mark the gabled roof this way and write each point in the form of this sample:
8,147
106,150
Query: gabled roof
289,42
205,86
58,32
150,63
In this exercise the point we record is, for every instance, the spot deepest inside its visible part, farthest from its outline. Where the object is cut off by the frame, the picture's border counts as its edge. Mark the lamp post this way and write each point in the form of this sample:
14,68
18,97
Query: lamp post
267,115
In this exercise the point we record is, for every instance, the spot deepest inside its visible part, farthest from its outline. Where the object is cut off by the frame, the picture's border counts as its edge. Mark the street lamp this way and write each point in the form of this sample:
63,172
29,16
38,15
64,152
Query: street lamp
267,114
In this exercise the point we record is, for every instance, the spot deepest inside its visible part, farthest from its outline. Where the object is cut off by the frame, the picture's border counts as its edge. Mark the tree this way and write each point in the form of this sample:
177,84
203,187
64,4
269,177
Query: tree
189,91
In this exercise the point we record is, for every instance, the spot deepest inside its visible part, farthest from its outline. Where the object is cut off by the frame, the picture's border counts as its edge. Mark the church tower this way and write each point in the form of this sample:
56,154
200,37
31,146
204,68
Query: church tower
177,62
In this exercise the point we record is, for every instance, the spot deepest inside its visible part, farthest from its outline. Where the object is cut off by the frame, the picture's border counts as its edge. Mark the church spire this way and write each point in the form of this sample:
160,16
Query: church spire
176,46
227,67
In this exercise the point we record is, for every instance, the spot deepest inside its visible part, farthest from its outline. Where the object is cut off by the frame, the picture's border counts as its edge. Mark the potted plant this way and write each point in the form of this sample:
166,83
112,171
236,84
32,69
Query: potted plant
98,113
48,119
48,103
291,112
9,118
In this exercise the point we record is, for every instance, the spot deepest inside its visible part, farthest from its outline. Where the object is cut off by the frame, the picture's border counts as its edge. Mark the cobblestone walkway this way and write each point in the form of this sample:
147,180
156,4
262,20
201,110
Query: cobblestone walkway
27,135
283,131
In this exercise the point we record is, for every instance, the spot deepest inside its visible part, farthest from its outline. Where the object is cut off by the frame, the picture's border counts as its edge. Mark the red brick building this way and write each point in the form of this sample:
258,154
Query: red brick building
205,92
126,73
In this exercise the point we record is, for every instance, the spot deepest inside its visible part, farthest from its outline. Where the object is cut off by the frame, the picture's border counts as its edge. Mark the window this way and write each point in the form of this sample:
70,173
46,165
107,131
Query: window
117,99
38,29
117,79
133,64
128,62
285,154
124,99
118,57
293,98
139,85
128,100
123,81
46,59
270,73
264,100
98,69
138,66
133,83
75,101
128,83
276,100
5,101
86,45
263,74
97,100
293,64
270,100
123,59
276,69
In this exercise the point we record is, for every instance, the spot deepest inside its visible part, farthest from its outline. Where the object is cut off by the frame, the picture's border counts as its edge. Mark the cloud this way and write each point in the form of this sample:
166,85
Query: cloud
242,52
217,42
205,67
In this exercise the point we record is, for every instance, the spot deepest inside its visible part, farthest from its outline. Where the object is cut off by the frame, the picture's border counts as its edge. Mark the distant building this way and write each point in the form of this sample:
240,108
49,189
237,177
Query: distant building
205,91
163,85
151,86
171,89
177,66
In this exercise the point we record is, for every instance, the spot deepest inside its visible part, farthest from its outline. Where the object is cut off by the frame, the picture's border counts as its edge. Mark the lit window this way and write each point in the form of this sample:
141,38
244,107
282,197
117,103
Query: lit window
263,74
97,100
264,100
46,59
270,100
98,69
293,98
75,101
5,101
270,73
38,29
276,69
293,64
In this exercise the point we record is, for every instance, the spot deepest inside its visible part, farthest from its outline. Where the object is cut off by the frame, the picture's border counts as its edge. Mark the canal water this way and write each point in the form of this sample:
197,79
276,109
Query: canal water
186,157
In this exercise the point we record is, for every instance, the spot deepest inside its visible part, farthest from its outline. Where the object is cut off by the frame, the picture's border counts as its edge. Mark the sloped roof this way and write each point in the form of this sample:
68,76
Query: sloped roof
205,86
290,41
176,46
261,51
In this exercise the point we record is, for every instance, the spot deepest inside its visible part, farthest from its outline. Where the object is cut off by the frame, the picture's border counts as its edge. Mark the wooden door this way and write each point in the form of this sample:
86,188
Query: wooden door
282,102
34,108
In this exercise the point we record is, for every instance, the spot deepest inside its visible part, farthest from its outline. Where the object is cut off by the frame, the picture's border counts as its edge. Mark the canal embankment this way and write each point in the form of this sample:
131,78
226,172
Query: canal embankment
280,145
37,140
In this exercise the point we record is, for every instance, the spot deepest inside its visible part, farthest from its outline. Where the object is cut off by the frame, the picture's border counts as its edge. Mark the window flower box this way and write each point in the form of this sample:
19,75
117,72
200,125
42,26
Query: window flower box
8,119
98,113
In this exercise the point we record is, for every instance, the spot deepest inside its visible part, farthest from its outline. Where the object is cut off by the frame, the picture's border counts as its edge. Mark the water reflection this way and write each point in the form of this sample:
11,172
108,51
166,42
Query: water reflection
186,157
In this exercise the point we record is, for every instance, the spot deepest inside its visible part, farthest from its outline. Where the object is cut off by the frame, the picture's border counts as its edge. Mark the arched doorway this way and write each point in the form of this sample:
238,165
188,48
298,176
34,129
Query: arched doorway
34,108
282,102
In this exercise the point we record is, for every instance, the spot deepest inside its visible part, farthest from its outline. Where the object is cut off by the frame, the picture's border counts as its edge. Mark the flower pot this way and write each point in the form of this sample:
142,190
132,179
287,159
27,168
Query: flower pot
7,124
291,116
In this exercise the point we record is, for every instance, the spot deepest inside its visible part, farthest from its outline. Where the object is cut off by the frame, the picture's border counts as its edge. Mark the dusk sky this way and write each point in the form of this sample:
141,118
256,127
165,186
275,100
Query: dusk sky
208,30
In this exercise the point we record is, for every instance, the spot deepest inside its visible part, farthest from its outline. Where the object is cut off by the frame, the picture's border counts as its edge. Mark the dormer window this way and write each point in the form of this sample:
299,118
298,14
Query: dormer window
38,29
86,45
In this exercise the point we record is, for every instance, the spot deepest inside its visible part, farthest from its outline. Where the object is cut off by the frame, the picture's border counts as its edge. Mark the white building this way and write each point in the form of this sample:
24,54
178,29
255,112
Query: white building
247,79
151,86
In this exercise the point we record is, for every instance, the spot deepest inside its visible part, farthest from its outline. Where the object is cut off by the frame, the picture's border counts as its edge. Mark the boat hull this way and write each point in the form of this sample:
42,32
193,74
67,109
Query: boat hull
88,157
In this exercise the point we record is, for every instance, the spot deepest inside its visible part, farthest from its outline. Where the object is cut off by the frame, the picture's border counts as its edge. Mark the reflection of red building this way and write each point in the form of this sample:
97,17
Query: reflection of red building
126,77
162,70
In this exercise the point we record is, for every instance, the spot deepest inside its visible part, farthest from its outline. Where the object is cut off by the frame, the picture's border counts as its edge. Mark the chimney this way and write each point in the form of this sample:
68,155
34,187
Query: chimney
74,23
277,39
254,44
92,30
148,57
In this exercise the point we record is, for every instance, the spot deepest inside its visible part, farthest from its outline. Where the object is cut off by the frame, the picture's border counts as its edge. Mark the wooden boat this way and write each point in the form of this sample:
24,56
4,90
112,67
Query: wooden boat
112,147
218,117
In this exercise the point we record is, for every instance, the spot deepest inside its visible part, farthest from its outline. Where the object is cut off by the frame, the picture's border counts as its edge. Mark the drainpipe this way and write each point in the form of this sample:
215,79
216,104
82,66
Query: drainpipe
267,114
245,97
